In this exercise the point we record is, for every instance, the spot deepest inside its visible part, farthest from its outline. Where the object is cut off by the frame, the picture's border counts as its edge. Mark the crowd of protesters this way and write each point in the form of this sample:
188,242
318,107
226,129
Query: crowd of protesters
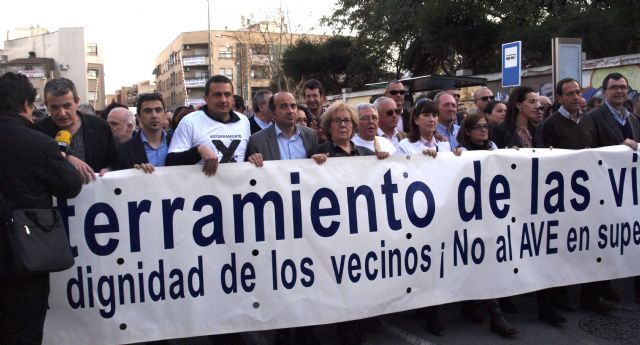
282,129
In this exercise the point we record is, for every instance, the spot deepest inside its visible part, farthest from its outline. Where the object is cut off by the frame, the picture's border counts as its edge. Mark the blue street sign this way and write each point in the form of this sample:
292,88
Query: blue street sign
511,63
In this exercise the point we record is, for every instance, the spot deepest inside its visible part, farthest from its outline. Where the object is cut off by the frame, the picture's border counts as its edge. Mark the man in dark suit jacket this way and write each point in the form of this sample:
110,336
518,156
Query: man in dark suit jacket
148,148
92,147
612,123
283,139
263,116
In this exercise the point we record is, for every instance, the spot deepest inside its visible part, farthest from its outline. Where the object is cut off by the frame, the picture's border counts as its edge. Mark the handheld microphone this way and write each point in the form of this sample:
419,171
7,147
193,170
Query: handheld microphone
63,139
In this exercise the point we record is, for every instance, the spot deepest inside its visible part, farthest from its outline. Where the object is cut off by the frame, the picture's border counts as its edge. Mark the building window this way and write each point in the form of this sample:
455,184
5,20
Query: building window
260,72
227,72
201,74
259,49
92,74
92,49
225,53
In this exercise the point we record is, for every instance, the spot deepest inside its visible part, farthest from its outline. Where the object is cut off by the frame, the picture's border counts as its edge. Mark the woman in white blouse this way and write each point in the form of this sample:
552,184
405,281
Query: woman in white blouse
422,131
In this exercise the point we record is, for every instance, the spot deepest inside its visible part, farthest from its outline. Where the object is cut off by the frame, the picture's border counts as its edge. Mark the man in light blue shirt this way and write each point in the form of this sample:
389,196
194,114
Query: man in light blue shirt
148,149
283,140
447,107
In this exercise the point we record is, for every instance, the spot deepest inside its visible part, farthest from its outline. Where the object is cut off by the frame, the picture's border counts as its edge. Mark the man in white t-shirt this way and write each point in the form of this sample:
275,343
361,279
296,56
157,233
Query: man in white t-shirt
214,134
367,135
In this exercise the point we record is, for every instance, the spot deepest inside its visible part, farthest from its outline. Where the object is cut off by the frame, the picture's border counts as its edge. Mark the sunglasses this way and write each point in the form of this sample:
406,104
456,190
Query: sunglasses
396,111
487,98
397,92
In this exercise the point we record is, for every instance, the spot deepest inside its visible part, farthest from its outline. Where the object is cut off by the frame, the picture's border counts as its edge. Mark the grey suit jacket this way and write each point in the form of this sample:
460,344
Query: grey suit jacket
604,129
266,143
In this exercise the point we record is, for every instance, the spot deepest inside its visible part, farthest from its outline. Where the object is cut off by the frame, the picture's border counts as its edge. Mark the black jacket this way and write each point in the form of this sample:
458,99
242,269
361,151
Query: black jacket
99,145
31,170
604,128
132,152
504,135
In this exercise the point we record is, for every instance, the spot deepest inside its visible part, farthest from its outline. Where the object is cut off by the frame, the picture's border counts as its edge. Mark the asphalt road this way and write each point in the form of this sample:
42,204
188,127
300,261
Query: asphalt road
621,327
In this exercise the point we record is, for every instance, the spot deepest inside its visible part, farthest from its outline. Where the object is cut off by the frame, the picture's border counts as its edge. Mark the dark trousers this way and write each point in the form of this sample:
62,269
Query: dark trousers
23,307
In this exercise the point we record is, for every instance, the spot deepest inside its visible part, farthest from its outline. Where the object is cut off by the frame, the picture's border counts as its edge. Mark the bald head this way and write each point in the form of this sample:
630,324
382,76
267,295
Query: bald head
285,109
122,122
482,97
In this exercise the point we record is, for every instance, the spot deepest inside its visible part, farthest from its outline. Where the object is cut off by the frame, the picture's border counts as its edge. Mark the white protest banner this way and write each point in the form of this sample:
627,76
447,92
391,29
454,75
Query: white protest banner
177,254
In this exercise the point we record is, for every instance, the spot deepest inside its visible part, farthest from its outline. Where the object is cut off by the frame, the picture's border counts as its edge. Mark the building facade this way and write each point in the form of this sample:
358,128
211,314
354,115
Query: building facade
249,57
43,55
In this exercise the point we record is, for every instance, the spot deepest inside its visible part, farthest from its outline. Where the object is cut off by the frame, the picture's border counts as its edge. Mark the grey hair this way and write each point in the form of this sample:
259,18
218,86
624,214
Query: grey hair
260,97
379,101
131,118
362,106
475,93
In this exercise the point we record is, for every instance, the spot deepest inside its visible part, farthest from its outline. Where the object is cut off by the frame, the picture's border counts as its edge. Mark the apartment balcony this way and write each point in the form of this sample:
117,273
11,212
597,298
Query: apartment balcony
195,61
195,82
260,59
33,73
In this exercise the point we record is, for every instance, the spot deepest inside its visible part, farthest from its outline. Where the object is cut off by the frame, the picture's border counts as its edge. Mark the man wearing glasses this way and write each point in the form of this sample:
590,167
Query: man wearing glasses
482,97
388,117
395,90
149,147
367,134
611,124
215,134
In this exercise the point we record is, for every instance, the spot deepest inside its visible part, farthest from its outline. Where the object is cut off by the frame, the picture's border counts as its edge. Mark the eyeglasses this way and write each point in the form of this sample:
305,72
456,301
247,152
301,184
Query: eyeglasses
480,126
486,98
397,92
342,121
618,87
392,112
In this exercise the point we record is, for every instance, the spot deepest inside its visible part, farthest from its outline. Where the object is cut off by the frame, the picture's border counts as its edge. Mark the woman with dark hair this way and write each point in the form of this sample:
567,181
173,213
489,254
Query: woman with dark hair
178,114
422,131
495,112
474,134
518,129
594,102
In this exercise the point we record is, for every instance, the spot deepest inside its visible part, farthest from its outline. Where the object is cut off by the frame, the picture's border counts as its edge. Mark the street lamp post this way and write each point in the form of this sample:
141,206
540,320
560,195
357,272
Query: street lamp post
209,32
240,61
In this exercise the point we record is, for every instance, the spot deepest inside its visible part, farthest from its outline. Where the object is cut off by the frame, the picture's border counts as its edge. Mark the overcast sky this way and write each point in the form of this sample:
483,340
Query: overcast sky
133,32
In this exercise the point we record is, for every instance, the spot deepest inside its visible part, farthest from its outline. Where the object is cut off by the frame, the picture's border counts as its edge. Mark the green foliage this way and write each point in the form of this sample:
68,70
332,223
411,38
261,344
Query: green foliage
337,63
439,37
